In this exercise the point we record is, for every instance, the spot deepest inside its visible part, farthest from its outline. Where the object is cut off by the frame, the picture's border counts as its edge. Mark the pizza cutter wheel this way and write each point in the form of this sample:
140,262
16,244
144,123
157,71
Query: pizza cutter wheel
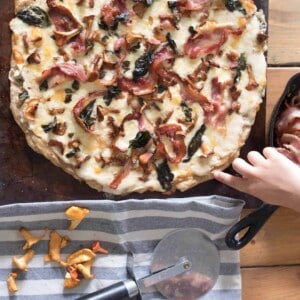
185,266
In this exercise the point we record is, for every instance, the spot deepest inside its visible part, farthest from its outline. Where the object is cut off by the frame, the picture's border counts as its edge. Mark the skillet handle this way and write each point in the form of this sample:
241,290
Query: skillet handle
254,222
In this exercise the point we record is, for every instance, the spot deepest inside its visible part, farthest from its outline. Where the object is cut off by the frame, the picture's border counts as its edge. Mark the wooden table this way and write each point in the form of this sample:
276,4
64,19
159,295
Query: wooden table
270,264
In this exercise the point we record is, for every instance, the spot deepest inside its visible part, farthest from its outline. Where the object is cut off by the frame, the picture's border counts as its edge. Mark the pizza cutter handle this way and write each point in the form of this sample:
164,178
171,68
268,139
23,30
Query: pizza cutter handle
254,222
120,290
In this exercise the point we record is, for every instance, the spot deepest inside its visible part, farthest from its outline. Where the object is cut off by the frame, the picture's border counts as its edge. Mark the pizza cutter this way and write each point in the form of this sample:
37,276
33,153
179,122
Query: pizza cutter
185,266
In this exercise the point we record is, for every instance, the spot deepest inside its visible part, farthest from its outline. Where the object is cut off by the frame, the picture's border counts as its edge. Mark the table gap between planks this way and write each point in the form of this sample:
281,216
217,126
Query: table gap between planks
270,263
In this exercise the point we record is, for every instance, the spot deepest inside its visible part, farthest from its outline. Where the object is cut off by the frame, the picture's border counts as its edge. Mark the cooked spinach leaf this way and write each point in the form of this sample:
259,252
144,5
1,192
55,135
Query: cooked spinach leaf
141,139
50,126
142,65
23,96
75,85
187,111
195,143
19,80
34,16
171,43
233,5
86,114
112,92
73,152
164,175
242,65
44,85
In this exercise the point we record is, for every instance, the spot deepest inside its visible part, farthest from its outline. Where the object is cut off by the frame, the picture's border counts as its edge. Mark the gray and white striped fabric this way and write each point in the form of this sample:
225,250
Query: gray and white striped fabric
122,227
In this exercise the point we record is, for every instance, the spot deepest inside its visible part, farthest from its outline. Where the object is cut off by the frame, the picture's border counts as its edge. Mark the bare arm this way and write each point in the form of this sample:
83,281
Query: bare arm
270,177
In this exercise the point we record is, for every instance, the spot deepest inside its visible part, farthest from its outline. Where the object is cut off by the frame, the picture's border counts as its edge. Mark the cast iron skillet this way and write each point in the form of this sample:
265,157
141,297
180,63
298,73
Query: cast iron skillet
255,220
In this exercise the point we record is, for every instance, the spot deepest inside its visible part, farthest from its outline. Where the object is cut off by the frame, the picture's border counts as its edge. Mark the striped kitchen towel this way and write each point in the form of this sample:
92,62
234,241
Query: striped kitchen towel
130,226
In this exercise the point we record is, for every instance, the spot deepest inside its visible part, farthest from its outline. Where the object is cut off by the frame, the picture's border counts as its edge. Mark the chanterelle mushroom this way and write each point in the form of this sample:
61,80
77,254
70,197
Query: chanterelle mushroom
80,256
76,214
30,239
22,261
11,282
56,243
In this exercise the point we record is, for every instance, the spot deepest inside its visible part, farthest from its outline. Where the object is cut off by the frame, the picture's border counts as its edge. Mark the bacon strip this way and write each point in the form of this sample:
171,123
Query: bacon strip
218,109
176,136
62,72
123,173
208,40
142,86
205,42
66,25
194,5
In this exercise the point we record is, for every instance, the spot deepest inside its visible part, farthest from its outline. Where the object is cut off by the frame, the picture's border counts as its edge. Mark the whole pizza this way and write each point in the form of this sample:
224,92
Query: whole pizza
137,95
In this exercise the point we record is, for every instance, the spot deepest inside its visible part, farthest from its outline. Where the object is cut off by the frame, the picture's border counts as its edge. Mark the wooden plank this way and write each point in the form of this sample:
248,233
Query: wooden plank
284,28
277,243
273,283
277,79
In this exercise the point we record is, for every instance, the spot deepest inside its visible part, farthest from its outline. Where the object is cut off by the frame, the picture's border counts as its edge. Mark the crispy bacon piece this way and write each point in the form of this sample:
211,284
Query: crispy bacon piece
109,13
123,173
145,157
66,25
176,136
161,56
78,44
141,86
62,72
161,66
194,5
218,109
191,94
111,10
205,42
168,22
208,40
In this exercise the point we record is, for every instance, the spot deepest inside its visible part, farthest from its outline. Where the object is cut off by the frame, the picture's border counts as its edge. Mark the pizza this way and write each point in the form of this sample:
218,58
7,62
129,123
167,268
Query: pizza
137,95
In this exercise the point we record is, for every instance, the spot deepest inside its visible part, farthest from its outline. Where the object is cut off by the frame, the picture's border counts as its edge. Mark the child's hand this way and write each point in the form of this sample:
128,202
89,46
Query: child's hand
272,178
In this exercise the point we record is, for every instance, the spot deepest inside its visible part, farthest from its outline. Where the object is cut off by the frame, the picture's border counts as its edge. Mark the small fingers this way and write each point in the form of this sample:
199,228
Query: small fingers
230,180
270,152
242,167
255,158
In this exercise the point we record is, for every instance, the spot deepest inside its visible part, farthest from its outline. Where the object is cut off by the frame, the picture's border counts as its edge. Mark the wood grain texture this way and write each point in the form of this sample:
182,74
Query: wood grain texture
278,242
284,28
271,283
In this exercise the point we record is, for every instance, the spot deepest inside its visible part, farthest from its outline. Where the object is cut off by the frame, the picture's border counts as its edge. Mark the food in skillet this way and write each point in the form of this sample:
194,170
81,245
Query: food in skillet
288,129
137,95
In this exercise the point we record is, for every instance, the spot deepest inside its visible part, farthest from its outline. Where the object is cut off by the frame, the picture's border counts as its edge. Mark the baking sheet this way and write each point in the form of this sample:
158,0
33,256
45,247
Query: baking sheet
26,176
